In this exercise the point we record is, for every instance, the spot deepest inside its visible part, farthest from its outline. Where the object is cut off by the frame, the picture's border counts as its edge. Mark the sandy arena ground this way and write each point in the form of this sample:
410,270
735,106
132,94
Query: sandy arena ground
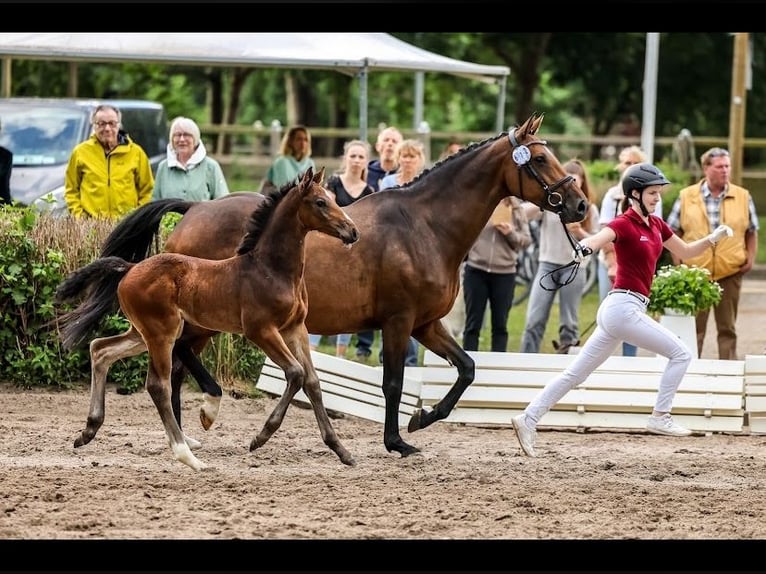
468,483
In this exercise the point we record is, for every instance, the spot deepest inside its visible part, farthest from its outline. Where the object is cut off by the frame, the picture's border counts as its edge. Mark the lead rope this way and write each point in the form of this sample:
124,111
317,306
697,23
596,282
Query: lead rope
574,264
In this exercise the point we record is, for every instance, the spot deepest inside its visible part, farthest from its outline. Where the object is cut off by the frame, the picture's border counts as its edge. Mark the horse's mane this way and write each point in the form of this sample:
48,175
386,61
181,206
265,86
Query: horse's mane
261,216
469,148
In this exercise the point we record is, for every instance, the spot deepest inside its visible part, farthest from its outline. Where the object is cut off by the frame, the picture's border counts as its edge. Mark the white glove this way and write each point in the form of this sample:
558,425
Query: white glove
719,233
580,252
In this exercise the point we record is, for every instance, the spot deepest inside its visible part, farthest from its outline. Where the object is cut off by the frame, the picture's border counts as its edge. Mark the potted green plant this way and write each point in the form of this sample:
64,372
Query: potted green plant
683,290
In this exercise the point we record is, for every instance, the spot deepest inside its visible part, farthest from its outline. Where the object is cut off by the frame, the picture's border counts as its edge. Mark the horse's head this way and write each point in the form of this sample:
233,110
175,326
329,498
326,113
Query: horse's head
536,175
320,212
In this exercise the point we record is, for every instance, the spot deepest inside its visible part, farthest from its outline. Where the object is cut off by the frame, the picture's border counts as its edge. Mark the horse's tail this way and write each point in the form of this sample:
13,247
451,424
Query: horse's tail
131,239
97,284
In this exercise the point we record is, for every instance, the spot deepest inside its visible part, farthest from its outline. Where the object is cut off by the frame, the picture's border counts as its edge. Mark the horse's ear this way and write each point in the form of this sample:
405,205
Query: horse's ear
308,175
319,177
535,120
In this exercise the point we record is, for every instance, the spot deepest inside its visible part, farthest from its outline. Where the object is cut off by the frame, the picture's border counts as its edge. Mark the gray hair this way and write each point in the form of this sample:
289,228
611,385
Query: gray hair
185,125
101,108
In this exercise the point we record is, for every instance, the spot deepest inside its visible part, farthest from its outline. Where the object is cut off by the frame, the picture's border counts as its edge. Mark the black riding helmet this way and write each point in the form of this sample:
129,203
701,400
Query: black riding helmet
640,176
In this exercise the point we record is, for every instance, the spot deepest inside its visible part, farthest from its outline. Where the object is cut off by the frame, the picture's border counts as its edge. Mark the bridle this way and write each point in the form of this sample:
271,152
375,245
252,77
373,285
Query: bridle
522,156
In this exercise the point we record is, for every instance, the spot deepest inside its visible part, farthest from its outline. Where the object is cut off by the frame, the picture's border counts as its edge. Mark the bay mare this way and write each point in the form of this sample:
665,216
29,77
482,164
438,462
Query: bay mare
403,274
258,292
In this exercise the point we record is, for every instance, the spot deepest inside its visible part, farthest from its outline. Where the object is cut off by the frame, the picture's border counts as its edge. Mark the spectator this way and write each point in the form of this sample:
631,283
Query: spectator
294,158
385,146
610,208
6,164
377,169
553,275
455,319
453,146
700,208
108,174
490,273
411,159
637,236
348,185
188,172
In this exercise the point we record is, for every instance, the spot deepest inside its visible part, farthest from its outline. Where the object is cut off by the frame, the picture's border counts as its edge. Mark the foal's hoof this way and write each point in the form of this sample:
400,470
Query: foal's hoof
208,412
82,440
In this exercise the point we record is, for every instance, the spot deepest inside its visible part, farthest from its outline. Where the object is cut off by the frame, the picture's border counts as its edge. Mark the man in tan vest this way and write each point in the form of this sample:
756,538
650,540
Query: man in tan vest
699,209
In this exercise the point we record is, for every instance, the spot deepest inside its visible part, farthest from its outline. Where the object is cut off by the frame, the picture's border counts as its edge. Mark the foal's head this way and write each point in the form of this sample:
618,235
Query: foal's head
314,206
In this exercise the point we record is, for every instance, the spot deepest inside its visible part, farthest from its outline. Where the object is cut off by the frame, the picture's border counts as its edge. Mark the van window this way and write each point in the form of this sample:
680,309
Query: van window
148,128
41,136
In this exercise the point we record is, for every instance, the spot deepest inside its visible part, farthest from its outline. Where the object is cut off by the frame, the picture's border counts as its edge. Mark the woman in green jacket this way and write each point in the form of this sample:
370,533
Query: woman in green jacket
188,172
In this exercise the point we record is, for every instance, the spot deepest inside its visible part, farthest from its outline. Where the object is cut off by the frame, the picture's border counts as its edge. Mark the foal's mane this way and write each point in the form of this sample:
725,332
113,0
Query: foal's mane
260,217
454,156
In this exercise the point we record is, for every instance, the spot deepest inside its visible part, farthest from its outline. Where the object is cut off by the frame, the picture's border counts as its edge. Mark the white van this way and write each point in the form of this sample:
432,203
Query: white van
41,133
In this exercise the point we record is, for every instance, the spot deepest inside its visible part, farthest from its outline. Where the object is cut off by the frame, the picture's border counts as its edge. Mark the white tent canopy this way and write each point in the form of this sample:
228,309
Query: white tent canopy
351,53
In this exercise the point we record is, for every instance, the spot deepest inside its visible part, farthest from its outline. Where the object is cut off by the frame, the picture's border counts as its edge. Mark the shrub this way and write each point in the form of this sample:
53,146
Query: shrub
684,289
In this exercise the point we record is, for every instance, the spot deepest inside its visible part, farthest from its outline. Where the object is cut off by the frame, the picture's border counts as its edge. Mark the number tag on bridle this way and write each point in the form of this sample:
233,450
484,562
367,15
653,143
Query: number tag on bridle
521,155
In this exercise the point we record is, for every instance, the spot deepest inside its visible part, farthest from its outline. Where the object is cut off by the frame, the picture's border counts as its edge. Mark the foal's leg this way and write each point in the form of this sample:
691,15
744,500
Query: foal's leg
187,350
158,385
298,343
104,352
270,342
436,338
277,350
177,375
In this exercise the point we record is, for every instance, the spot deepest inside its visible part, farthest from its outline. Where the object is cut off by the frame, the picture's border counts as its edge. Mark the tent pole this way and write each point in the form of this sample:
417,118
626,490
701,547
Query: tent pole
5,80
363,103
500,121
419,91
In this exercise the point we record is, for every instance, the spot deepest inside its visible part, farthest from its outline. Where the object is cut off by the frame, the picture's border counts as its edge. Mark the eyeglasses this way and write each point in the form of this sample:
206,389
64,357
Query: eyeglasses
102,125
182,135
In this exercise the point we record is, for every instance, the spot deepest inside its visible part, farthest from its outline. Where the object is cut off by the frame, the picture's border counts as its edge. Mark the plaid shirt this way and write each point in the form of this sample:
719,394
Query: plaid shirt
713,208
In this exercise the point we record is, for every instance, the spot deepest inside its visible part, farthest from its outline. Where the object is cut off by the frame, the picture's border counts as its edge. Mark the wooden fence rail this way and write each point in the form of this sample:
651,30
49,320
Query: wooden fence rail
257,144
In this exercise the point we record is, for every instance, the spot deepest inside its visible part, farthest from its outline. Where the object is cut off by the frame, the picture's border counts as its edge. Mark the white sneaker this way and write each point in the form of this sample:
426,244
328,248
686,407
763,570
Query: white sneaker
665,425
526,436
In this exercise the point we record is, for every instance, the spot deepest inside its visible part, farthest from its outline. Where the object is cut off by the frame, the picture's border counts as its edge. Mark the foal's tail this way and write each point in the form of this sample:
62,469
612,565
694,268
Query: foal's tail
97,283
131,239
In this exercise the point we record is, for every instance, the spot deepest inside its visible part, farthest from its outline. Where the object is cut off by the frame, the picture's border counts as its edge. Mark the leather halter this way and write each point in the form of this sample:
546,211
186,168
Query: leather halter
521,156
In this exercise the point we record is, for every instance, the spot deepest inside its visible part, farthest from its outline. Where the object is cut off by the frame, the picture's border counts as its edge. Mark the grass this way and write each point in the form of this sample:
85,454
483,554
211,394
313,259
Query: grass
516,320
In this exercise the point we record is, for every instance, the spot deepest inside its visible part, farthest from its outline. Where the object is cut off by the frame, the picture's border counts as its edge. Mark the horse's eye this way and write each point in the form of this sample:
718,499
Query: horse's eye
322,202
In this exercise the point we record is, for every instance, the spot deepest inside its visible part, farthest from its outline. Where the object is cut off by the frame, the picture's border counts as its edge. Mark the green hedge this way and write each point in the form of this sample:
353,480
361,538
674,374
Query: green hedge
36,253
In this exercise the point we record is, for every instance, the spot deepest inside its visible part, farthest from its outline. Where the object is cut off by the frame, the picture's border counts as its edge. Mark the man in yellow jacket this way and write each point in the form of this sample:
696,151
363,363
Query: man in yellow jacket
699,209
108,174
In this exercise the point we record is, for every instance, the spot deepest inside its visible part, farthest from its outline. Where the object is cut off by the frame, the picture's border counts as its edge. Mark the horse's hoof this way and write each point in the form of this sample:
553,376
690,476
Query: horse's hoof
255,443
81,440
408,450
414,423
208,412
